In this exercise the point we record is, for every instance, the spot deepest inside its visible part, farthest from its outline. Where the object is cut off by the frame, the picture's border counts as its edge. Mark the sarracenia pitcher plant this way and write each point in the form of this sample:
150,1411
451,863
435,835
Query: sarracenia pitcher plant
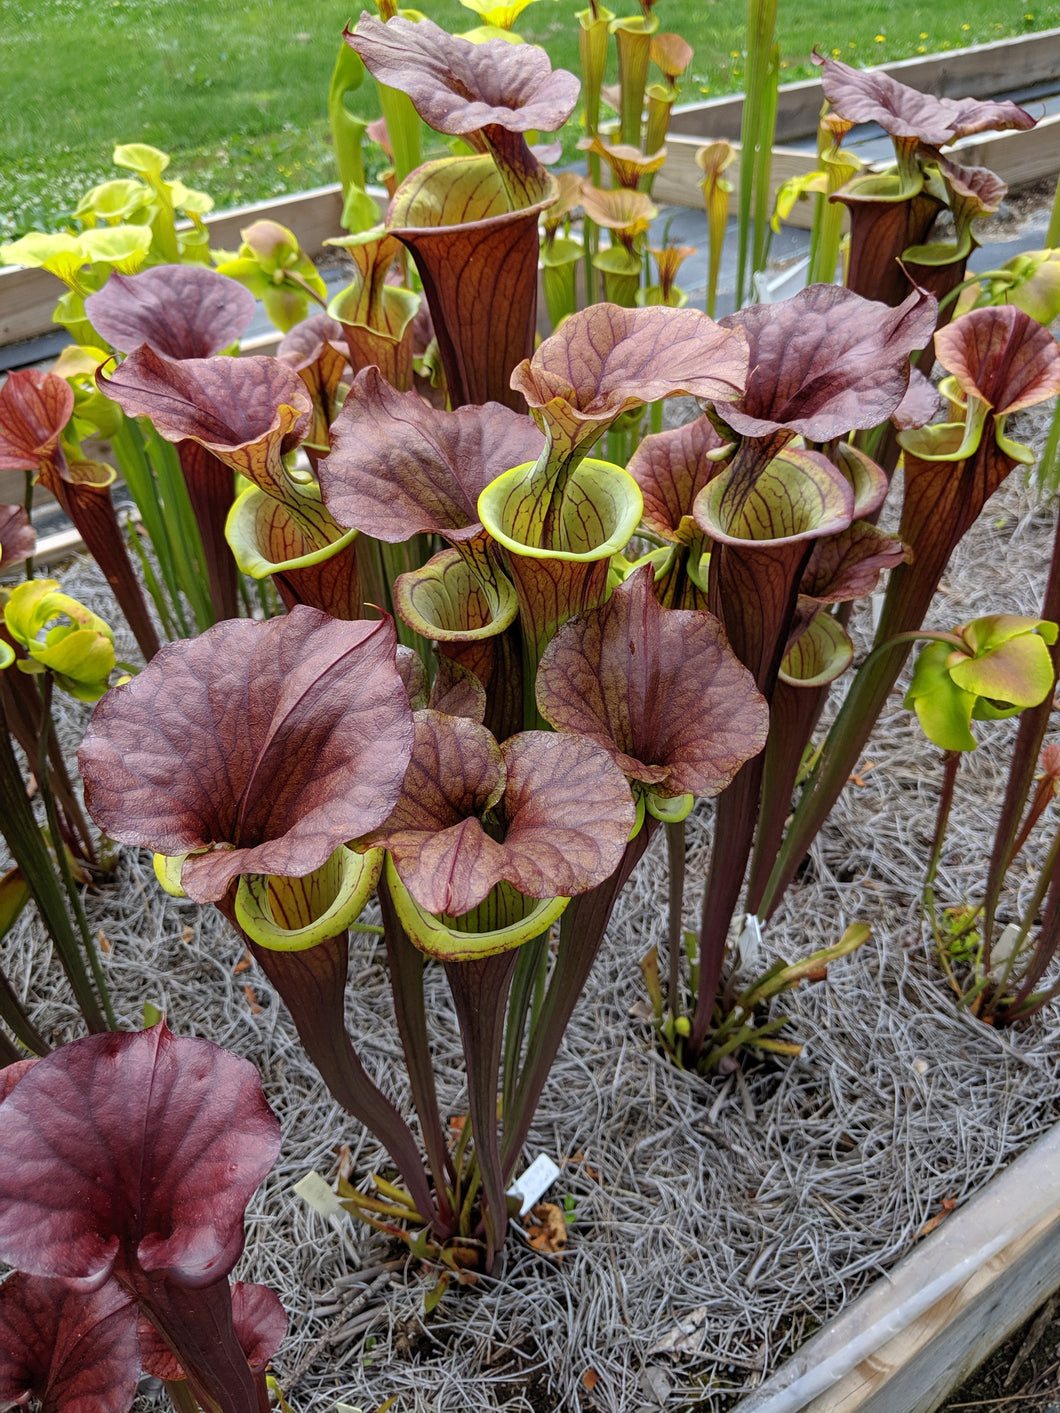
249,758
34,411
128,1162
991,668
471,222
587,644
1000,360
247,415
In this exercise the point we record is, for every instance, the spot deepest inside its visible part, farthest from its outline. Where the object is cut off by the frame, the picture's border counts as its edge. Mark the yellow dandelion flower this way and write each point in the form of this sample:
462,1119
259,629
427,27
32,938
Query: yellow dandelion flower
881,39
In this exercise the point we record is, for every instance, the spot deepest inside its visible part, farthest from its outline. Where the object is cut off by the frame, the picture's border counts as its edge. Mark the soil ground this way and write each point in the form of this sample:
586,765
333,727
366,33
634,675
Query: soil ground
1022,1373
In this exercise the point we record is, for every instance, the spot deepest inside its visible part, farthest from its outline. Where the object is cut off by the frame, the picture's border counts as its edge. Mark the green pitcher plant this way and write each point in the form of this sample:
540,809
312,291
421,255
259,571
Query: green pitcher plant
48,640
991,668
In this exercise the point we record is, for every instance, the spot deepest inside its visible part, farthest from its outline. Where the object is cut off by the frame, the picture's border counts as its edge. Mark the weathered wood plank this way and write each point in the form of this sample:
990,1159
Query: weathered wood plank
980,71
27,298
53,549
918,1371
13,490
917,1334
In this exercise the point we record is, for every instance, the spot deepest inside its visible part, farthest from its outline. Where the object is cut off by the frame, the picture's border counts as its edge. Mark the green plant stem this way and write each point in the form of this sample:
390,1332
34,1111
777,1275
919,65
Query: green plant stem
181,1396
472,1183
15,1016
404,129
1027,1002
581,932
591,242
764,160
953,294
184,537
59,849
761,29
154,588
523,1001
128,445
27,501
1048,475
1030,734
1045,792
864,701
267,598
23,835
405,963
400,559
480,991
459,1155
1046,878
675,849
746,1035
814,273
347,131
951,764
780,977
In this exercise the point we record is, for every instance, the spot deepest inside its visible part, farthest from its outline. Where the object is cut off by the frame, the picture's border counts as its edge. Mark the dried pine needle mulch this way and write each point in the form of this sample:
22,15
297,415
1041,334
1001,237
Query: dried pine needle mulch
717,1222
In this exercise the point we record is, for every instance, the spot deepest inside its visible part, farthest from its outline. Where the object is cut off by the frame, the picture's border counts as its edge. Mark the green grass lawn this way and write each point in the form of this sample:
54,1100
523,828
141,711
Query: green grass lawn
235,91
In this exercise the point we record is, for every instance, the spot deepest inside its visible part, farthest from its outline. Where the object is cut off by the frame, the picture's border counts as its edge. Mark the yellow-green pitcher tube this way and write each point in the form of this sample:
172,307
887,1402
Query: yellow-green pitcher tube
633,36
503,921
560,535
294,914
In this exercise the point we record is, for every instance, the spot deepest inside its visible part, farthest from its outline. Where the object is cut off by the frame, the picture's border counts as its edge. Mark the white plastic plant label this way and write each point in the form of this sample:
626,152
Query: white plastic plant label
316,1193
1005,949
749,943
532,1185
